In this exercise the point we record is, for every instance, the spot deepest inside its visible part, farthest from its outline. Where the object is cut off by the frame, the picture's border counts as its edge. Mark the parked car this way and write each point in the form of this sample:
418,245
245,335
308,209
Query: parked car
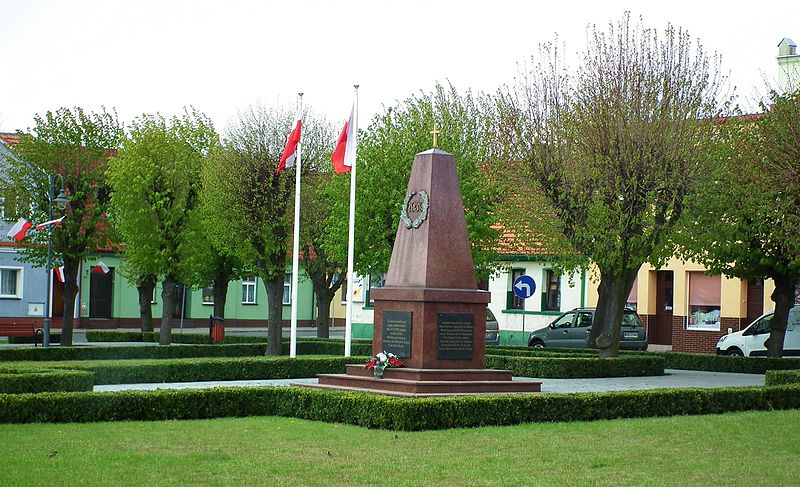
492,329
749,342
571,330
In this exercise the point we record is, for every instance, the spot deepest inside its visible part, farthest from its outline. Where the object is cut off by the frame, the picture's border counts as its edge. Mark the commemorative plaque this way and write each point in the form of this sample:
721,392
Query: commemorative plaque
454,336
397,333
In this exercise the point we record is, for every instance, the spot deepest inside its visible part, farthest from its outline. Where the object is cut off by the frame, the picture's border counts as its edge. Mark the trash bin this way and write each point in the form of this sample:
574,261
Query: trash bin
216,329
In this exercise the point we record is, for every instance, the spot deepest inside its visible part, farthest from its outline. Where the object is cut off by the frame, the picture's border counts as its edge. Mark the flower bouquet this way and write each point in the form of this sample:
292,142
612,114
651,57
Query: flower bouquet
382,360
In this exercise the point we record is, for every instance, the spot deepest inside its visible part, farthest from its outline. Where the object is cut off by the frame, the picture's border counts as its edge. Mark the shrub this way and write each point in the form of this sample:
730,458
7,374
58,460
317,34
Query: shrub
54,338
780,377
18,381
375,411
577,367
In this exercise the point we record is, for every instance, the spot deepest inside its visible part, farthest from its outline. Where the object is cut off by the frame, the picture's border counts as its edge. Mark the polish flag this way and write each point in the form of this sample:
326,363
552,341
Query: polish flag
290,151
56,222
19,229
101,267
59,274
344,155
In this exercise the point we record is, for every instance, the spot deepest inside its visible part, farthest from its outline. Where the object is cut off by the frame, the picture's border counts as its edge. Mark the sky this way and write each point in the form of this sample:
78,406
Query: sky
149,56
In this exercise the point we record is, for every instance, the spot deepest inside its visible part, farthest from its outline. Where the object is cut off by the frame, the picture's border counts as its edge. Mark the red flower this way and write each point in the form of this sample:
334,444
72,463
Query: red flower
394,362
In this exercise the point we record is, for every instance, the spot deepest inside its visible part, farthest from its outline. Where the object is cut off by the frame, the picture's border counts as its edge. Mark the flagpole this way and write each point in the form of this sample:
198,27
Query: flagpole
348,329
296,244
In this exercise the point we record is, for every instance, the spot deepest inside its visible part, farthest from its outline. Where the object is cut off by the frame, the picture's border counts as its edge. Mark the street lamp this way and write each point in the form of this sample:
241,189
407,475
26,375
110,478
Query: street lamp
61,203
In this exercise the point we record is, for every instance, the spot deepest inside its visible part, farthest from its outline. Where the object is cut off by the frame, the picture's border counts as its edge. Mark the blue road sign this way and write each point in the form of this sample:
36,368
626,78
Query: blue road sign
524,286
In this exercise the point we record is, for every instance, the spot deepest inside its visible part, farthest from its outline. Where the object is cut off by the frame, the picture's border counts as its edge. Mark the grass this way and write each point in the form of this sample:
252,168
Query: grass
752,449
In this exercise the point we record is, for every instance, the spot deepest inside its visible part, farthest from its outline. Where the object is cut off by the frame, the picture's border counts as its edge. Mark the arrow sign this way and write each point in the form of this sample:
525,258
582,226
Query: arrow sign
524,287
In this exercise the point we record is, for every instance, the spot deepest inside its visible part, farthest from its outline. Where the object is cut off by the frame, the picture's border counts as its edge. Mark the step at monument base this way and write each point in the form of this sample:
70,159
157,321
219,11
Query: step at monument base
409,382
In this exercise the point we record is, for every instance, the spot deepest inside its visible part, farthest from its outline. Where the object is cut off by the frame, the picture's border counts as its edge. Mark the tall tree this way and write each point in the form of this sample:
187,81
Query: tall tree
249,206
73,145
155,182
385,155
746,221
615,148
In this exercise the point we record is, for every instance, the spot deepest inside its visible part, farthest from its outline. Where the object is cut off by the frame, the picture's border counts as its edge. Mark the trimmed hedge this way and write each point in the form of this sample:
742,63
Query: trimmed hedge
780,377
54,338
31,380
210,369
577,367
375,411
304,347
153,337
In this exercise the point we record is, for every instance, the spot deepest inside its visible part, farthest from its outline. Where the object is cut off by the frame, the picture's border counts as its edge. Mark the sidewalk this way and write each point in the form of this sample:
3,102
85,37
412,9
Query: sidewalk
673,378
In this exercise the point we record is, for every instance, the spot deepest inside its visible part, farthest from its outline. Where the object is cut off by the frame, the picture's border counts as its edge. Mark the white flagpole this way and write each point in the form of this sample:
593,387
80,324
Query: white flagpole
348,329
296,244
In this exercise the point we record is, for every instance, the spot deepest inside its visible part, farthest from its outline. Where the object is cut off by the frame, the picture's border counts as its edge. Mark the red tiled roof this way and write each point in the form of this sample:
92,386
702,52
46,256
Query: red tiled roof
8,138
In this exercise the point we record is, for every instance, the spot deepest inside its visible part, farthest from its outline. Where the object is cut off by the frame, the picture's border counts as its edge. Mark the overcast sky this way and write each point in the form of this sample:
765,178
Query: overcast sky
159,56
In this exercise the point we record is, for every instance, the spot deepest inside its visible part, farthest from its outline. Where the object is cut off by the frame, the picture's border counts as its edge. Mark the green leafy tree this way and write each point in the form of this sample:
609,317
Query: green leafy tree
614,146
249,208
385,155
155,182
746,221
73,145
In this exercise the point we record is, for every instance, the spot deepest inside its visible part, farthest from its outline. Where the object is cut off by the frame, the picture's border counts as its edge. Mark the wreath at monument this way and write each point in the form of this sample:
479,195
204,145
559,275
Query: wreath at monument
381,361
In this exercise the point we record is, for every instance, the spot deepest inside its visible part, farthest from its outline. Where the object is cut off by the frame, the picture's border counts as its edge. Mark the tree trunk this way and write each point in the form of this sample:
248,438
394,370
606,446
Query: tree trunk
274,315
613,291
783,297
324,299
145,289
220,296
170,289
71,267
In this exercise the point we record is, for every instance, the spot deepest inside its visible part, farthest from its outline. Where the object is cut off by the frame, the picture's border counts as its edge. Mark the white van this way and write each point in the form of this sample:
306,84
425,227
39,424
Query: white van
750,341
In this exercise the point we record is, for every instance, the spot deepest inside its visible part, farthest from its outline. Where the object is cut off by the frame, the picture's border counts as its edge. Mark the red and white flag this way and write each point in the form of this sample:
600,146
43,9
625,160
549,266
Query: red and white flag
59,274
56,222
290,151
100,267
344,155
19,229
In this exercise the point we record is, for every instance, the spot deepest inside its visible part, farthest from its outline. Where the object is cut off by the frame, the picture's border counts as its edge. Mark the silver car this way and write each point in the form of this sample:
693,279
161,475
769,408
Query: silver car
571,330
492,329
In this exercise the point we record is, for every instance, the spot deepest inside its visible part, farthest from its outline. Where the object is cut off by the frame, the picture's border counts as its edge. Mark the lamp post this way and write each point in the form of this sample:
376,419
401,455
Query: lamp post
61,203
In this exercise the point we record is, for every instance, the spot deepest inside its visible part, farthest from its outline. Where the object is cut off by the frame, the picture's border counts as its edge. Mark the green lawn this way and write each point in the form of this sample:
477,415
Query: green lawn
754,448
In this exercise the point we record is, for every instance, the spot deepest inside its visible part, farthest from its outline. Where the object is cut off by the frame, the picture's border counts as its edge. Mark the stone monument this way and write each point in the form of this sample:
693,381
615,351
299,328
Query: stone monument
430,313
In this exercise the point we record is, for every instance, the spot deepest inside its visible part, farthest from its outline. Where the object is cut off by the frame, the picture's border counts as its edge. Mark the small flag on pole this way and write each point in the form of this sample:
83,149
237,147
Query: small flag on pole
290,151
56,222
100,267
59,274
19,229
343,156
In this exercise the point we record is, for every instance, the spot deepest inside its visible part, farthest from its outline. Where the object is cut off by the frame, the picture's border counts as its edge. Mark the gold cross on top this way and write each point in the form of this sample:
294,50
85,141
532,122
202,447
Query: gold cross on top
435,133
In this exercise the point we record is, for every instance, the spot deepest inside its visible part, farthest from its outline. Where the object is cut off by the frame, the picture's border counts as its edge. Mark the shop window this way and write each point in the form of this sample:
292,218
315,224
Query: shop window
704,302
375,281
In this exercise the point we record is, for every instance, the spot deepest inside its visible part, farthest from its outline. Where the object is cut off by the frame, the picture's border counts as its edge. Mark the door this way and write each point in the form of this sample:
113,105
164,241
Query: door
662,335
559,334
579,333
58,298
791,343
755,300
754,337
100,294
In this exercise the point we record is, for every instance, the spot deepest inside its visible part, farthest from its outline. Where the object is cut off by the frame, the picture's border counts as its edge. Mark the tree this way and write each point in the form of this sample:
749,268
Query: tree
249,206
73,145
614,148
385,155
746,222
155,182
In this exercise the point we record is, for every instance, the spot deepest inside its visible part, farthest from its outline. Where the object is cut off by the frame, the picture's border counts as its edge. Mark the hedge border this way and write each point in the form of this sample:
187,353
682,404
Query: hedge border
781,377
33,380
564,367
374,411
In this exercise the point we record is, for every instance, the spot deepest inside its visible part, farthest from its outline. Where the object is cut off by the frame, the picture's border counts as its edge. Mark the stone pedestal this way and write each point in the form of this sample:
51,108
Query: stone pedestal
430,312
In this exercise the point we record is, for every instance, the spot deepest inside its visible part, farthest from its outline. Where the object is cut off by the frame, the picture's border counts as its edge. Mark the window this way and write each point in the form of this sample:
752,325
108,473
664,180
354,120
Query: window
2,208
513,301
249,290
287,289
155,294
344,292
704,301
565,321
375,281
552,301
11,282
208,294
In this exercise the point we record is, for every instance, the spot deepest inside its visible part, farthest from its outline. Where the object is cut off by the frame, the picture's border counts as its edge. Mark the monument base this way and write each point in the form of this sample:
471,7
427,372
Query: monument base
411,382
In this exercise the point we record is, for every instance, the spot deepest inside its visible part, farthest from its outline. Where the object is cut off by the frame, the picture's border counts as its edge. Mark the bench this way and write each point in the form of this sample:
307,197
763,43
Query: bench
22,330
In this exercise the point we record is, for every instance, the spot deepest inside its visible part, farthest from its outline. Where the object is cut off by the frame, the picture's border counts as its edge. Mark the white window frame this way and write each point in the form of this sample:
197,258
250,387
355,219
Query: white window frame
20,276
210,287
247,283
287,289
